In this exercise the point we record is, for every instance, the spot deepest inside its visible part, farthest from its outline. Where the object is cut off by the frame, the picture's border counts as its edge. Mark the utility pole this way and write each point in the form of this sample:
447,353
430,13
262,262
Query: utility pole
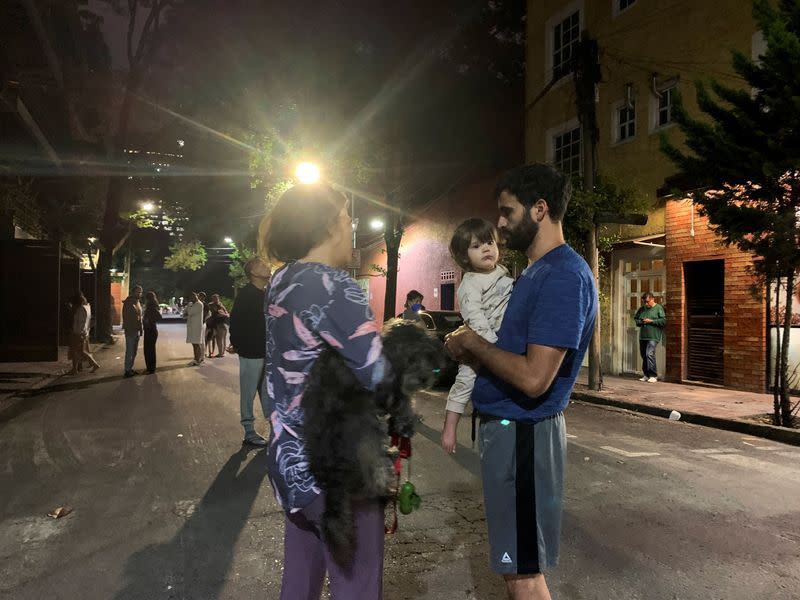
586,75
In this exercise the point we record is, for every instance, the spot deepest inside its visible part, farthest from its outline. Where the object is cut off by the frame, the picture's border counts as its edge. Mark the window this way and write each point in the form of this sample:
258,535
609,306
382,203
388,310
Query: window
567,151
665,108
662,100
626,120
623,4
565,39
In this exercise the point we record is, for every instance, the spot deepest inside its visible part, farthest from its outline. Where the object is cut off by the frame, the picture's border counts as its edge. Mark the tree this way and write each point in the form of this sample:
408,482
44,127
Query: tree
241,254
189,256
144,20
743,160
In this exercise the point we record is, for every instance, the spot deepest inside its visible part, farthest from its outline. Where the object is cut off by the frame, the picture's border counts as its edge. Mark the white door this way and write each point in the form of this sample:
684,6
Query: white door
640,277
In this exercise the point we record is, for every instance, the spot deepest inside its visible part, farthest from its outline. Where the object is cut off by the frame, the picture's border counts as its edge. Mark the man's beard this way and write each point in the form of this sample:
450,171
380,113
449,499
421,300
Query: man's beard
521,237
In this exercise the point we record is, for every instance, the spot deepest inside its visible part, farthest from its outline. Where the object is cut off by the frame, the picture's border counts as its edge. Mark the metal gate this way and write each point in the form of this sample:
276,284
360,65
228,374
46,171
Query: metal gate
705,306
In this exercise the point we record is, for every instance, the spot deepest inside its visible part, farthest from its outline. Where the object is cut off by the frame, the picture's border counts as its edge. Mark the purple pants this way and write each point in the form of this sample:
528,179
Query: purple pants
306,557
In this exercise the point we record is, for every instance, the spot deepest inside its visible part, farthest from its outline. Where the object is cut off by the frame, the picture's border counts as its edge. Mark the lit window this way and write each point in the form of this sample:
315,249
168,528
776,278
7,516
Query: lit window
565,40
626,119
567,151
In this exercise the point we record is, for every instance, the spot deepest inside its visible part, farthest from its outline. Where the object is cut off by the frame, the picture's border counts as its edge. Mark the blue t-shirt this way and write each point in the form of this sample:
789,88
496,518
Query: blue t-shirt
554,303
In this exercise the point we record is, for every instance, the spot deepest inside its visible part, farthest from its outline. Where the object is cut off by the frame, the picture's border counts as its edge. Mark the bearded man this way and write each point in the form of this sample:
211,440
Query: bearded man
525,379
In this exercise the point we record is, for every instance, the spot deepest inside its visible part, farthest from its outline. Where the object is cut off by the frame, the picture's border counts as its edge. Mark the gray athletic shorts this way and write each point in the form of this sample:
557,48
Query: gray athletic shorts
522,467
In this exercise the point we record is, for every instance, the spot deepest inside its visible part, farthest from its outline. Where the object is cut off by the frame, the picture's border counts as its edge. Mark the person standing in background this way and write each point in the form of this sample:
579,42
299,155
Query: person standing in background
248,337
195,327
220,318
79,339
651,319
150,319
132,325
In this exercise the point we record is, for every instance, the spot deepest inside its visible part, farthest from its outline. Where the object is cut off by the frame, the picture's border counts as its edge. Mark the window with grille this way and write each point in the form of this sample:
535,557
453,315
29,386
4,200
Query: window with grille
565,39
665,108
567,151
626,118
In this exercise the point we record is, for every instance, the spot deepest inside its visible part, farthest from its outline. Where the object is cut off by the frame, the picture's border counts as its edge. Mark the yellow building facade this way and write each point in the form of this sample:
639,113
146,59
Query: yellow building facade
648,50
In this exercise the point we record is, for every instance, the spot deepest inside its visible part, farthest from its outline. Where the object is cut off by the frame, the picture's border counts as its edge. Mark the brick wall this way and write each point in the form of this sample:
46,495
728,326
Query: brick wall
745,347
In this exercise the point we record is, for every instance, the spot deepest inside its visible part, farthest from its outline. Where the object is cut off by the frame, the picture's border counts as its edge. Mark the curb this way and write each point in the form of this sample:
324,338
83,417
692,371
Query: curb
770,432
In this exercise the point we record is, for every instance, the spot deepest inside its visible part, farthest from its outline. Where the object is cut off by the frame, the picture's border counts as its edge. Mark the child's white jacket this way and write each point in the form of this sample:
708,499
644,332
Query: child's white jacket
482,298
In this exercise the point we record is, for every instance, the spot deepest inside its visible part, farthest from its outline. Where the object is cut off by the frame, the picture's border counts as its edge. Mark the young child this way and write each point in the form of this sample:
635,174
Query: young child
483,297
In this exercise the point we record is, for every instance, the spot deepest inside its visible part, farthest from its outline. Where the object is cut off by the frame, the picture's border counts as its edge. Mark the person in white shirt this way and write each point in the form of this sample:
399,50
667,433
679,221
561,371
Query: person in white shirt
482,297
79,338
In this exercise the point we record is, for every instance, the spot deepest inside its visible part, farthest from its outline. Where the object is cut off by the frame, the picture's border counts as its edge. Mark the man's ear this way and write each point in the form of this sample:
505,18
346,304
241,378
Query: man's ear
539,210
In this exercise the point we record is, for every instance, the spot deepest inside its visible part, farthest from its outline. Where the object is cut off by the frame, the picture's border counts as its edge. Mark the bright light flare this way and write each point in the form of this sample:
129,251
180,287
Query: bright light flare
148,206
228,239
307,173
376,224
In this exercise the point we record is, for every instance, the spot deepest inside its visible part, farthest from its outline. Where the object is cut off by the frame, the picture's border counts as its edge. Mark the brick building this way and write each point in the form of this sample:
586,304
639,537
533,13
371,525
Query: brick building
717,329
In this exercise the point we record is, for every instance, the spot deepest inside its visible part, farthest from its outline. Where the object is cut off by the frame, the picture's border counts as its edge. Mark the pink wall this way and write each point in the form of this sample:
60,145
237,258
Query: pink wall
423,251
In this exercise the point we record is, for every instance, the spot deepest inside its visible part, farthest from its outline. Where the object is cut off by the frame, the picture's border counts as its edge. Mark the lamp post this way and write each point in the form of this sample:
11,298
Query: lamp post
307,173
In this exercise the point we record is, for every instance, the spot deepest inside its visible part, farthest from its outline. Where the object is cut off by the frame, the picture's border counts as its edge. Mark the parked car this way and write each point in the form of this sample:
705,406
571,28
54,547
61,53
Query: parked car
440,323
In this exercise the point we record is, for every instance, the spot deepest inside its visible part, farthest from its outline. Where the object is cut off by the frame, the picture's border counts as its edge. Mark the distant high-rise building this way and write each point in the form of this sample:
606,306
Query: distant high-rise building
151,170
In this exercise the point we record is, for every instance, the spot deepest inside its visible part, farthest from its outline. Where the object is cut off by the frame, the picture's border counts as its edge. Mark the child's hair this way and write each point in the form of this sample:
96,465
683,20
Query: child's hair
482,229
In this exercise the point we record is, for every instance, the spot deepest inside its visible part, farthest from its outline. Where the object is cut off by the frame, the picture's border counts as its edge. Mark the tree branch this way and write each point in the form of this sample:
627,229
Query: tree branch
155,13
133,6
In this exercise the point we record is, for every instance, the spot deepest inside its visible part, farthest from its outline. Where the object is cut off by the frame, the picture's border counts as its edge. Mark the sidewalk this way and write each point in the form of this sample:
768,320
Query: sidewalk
32,378
717,407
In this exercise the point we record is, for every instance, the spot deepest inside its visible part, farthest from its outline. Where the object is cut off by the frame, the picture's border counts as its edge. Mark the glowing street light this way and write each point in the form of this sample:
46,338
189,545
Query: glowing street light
307,173
148,206
228,239
376,224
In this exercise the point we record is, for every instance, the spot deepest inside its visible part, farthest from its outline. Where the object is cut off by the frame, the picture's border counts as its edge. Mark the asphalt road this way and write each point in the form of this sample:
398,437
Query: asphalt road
166,504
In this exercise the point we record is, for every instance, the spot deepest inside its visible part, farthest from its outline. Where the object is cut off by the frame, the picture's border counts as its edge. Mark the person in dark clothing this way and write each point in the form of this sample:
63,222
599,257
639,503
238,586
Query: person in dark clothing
248,336
412,306
132,325
218,323
150,319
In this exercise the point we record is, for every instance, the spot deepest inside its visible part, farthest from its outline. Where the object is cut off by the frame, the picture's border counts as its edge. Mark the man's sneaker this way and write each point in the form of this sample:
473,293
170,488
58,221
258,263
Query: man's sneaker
645,378
652,380
255,440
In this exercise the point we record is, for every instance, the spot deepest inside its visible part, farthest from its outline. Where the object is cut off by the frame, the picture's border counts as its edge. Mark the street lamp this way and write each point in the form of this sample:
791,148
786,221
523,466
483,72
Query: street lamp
307,173
147,206
376,224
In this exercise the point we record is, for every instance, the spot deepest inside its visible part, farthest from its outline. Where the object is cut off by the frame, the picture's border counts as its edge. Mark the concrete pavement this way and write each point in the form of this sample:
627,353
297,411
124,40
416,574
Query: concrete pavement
712,406
168,505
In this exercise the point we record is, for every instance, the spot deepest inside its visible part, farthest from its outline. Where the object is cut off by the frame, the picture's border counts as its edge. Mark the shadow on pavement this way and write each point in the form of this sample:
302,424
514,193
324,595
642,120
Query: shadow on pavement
196,562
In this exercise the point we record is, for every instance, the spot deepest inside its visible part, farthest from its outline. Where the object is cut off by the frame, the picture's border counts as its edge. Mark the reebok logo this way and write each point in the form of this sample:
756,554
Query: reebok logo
506,559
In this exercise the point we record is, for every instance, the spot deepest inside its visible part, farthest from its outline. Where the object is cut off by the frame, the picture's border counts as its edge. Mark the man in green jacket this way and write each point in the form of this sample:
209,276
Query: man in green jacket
650,318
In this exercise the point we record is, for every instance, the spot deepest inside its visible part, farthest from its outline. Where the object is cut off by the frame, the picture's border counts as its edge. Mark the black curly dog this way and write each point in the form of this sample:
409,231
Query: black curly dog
347,427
